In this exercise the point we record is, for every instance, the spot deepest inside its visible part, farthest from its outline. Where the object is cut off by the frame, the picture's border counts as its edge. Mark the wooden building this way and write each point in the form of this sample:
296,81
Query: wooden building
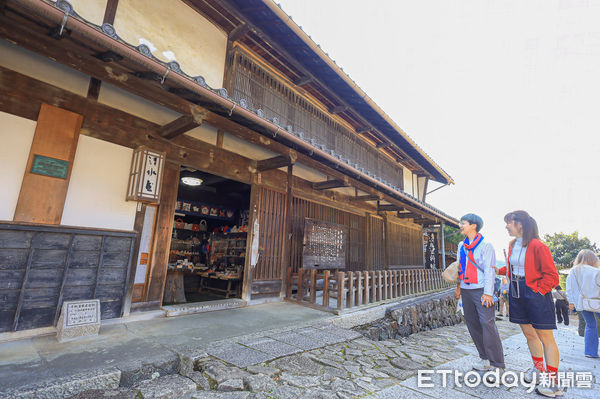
228,95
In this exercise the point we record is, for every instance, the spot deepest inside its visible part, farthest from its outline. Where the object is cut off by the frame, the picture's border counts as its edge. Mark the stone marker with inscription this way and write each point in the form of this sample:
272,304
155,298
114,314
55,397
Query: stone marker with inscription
78,319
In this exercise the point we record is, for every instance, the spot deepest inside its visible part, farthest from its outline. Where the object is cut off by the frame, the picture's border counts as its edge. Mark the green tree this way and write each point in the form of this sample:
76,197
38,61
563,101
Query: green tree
452,235
564,247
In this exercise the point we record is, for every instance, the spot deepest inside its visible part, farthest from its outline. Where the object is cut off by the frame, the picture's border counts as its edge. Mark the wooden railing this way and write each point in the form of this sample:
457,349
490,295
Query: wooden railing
343,290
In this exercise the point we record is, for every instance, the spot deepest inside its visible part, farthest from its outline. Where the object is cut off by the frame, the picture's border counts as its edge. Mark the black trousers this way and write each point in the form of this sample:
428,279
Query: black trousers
562,311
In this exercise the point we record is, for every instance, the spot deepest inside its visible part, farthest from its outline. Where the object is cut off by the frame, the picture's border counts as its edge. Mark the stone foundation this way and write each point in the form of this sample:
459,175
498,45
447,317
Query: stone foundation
413,315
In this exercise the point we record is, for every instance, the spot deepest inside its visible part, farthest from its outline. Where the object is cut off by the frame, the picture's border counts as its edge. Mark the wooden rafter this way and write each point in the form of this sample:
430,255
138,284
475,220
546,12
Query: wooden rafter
362,198
303,80
407,215
274,163
338,109
388,208
178,127
238,32
363,129
329,184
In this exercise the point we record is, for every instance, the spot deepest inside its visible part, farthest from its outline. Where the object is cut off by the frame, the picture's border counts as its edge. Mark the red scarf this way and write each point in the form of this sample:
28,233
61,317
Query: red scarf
468,268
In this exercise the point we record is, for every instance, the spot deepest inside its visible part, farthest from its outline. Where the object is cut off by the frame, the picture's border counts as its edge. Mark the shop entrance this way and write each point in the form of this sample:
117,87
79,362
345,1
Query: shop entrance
208,245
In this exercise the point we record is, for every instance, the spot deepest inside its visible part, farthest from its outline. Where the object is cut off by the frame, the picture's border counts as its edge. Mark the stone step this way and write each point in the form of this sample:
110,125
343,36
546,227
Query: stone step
168,386
67,387
201,307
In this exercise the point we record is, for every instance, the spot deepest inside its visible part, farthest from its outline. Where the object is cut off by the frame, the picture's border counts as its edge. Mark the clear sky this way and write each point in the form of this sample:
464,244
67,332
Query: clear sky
502,94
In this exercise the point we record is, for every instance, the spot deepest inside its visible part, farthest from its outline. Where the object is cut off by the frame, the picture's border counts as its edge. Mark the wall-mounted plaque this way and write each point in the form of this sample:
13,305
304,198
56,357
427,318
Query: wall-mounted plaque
47,166
324,245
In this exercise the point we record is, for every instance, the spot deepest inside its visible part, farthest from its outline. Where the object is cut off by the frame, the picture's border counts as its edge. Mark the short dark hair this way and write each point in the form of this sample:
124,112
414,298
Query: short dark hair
473,219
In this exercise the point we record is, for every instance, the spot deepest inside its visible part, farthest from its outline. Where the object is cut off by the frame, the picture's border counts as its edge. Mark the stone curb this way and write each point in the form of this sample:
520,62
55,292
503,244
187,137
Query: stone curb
68,386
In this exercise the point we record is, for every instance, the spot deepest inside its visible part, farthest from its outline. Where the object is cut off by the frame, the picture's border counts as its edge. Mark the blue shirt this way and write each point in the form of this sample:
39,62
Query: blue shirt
517,258
485,256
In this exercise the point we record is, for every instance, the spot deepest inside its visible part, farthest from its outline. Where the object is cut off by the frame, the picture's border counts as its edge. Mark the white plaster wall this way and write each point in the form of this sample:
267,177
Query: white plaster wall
205,133
175,31
96,195
307,173
242,147
421,183
42,68
92,10
408,180
135,105
16,136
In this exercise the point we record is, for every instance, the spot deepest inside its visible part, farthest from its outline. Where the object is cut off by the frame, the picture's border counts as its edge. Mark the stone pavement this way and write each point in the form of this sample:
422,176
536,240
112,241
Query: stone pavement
322,360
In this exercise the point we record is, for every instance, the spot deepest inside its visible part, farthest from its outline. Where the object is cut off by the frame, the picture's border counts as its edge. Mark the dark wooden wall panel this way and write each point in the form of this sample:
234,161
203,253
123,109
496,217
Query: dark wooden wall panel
406,244
375,243
42,266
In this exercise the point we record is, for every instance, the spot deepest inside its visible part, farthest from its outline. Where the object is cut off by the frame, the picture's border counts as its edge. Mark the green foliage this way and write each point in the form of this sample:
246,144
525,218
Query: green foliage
452,235
564,247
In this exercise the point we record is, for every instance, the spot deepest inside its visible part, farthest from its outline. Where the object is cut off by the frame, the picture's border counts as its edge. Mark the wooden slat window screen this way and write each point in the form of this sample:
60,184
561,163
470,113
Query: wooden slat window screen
376,245
301,209
271,217
262,90
405,245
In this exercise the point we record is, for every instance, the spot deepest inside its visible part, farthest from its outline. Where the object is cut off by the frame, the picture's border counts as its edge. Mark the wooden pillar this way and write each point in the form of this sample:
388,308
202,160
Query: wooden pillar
252,232
46,179
287,226
386,241
443,246
163,232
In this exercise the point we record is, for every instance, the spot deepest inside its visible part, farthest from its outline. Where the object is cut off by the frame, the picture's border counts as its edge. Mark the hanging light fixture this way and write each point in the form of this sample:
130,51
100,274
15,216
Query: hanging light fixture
191,181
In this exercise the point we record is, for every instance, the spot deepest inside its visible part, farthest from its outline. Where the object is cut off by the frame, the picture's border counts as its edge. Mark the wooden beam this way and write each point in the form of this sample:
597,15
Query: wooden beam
303,80
388,208
360,198
363,129
338,109
238,32
329,184
178,127
407,215
274,163
110,11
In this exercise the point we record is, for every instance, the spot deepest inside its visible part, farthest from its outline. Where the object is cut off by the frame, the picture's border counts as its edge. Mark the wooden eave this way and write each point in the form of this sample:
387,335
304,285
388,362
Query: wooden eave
31,31
259,44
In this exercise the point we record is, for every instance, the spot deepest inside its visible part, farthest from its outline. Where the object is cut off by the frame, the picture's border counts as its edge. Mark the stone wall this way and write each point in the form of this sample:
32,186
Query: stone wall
423,313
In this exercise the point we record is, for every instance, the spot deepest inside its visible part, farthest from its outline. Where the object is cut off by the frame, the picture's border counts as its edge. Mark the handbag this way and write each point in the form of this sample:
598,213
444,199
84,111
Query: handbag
179,224
450,274
588,304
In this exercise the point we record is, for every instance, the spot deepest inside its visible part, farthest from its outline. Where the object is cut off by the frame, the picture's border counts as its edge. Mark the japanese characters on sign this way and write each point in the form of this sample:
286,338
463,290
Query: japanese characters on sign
145,175
150,185
431,251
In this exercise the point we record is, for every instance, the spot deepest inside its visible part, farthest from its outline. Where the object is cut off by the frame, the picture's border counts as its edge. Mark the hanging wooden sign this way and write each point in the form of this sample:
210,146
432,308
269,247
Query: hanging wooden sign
145,176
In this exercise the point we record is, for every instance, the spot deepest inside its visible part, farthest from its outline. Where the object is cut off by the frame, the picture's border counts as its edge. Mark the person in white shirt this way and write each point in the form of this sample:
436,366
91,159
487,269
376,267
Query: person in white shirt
583,291
476,276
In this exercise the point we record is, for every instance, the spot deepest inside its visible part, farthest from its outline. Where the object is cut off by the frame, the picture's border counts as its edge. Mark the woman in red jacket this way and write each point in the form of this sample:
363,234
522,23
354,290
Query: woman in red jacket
532,275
